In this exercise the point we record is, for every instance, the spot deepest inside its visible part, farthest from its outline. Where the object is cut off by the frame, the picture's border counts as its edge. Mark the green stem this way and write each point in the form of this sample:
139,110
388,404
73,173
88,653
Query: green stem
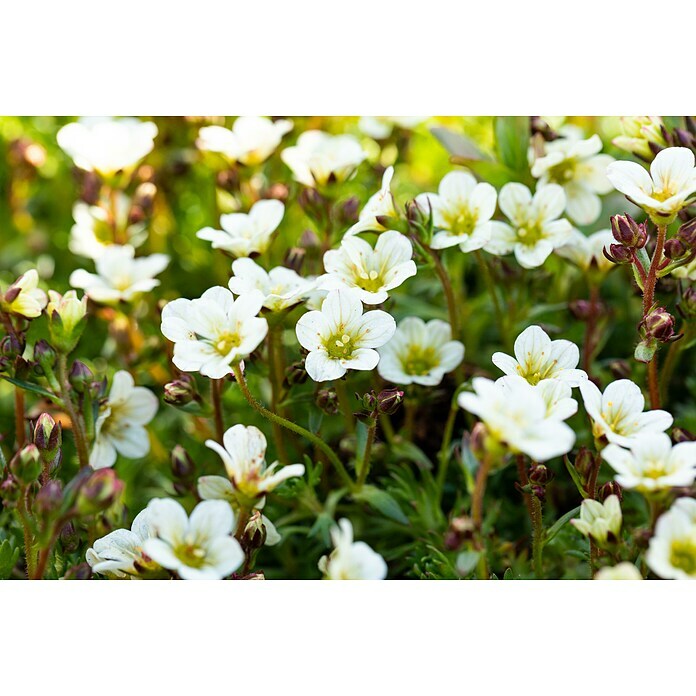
449,292
28,536
275,418
443,457
537,537
77,429
344,405
276,370
364,464
490,286
216,399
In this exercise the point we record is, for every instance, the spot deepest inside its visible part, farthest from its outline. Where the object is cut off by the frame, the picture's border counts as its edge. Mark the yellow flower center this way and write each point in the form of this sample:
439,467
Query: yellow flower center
226,341
563,172
460,221
530,233
683,555
420,360
369,280
537,370
340,346
190,554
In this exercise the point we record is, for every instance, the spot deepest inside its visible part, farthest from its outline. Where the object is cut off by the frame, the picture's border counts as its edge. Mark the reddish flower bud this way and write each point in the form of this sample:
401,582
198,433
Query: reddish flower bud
628,232
659,324
389,400
618,254
674,249
610,488
687,234
98,492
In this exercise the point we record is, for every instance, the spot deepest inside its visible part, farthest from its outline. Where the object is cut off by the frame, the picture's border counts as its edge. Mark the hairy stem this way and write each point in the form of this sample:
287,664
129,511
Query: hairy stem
537,537
275,418
216,399
77,427
276,371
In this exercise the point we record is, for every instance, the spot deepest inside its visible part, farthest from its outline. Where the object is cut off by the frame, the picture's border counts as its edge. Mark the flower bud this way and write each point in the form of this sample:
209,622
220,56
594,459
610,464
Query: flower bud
389,400
628,232
610,488
674,249
9,490
540,474
98,492
144,197
584,463
47,437
227,180
682,435
538,492
581,309
659,324
181,391
26,464
368,400
687,305
66,316
69,538
348,212
460,530
313,203
477,440
687,234
12,346
327,401
296,373
618,254
309,240
254,536
48,500
182,465
45,355
80,377
294,258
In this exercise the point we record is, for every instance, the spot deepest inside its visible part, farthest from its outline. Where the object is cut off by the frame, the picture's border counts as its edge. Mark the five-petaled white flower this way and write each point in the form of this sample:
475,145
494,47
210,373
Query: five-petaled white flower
281,287
251,140
672,551
319,158
244,457
653,464
220,488
351,560
214,330
119,554
515,415
381,127
120,276
617,414
243,234
600,521
195,548
106,145
538,358
462,211
24,297
557,396
576,165
535,230
587,251
666,190
420,353
341,338
621,571
371,273
379,204
120,427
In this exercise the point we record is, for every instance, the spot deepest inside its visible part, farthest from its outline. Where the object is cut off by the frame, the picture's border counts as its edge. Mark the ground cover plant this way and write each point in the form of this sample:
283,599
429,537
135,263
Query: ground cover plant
349,348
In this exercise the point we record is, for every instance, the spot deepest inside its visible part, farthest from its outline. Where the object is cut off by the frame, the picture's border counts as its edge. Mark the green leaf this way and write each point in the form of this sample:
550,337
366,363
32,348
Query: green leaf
8,559
403,449
35,388
553,530
509,575
575,476
458,145
512,141
467,561
382,502
645,350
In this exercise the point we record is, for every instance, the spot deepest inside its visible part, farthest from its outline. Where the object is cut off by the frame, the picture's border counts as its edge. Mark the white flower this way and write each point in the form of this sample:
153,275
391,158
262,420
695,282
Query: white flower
120,554
537,358
621,571
381,127
663,192
319,158
251,141
536,230
420,353
341,338
557,396
243,234
106,145
120,276
575,165
653,464
120,424
672,551
371,273
24,297
198,547
244,455
462,210
515,415
351,560
67,307
213,331
380,203
600,521
587,251
220,488
617,414
281,287
687,271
